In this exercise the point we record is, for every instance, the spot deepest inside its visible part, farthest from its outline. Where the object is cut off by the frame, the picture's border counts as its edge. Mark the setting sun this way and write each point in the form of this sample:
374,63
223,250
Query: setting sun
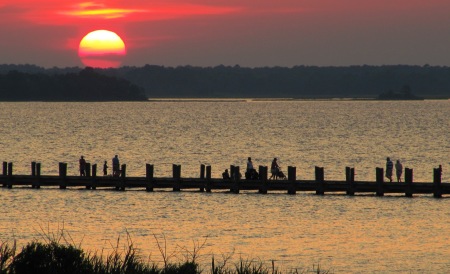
101,48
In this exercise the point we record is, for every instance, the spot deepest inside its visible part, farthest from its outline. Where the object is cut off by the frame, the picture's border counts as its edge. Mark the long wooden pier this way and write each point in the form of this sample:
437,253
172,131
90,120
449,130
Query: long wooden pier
236,184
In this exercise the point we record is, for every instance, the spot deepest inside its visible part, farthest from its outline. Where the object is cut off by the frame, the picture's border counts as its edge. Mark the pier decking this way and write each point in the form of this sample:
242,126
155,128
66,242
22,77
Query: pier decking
205,183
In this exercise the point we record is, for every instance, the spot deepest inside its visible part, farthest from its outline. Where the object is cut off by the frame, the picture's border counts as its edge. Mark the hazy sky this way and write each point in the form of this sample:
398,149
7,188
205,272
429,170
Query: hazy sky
244,32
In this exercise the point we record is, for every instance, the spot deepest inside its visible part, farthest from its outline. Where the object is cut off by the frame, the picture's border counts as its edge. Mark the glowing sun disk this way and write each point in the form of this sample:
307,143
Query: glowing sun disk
101,48
101,42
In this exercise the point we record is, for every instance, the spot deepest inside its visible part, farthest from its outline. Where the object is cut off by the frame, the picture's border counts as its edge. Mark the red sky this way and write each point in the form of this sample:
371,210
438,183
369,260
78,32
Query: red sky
245,32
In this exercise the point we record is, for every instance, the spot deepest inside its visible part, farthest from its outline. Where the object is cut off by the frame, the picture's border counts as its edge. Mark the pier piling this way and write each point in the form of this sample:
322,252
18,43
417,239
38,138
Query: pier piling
93,184
380,180
10,175
88,170
176,174
38,175
320,180
208,178
350,180
149,169
409,182
33,168
202,171
292,176
437,182
5,168
262,170
236,178
63,175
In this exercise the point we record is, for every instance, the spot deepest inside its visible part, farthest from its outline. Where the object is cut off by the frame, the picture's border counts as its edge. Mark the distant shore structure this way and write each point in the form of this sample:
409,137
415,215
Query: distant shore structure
404,94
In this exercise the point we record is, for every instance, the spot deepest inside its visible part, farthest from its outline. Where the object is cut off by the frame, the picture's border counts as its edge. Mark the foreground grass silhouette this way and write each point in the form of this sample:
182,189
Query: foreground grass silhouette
54,256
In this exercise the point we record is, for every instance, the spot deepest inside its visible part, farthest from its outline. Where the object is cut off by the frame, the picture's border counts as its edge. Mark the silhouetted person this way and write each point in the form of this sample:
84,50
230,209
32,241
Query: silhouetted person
226,175
116,166
398,170
250,172
105,169
274,169
389,169
82,166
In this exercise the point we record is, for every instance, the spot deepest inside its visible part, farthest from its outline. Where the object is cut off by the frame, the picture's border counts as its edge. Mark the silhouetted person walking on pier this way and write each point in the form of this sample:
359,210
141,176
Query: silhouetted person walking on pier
389,168
398,170
105,169
116,166
274,169
82,166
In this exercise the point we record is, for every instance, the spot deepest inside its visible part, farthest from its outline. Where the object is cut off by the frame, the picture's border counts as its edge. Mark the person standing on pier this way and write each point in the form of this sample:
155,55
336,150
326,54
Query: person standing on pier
116,166
226,175
105,169
389,169
398,170
250,173
82,166
274,169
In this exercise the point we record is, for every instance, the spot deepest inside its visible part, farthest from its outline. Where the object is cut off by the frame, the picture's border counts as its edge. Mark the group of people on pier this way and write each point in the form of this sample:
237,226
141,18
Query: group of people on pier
115,164
252,174
390,169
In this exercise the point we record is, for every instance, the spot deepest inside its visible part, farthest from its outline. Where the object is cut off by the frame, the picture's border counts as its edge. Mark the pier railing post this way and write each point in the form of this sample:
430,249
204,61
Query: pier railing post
10,169
350,180
208,179
292,177
38,169
123,176
33,173
320,180
38,175
380,181
88,170
94,177
10,174
263,173
202,176
262,170
409,182
176,174
33,169
437,182
62,176
149,169
236,178
5,168
202,171
5,172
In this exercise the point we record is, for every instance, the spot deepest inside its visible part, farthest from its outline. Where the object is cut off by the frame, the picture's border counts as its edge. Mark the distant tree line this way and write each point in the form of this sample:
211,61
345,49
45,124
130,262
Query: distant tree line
85,85
296,82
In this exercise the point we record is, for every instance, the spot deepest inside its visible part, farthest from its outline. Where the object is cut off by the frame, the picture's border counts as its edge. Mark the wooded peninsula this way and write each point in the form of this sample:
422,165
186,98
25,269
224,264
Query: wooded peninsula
299,82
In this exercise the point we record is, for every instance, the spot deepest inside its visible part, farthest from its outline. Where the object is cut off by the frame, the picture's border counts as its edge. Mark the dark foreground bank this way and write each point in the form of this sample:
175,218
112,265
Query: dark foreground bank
54,257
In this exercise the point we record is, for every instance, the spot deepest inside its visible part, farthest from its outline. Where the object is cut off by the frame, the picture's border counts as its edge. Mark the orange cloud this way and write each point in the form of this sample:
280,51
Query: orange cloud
52,12
96,10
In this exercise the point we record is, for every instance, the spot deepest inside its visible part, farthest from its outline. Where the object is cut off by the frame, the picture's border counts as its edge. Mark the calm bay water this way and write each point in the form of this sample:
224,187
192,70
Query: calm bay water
344,234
